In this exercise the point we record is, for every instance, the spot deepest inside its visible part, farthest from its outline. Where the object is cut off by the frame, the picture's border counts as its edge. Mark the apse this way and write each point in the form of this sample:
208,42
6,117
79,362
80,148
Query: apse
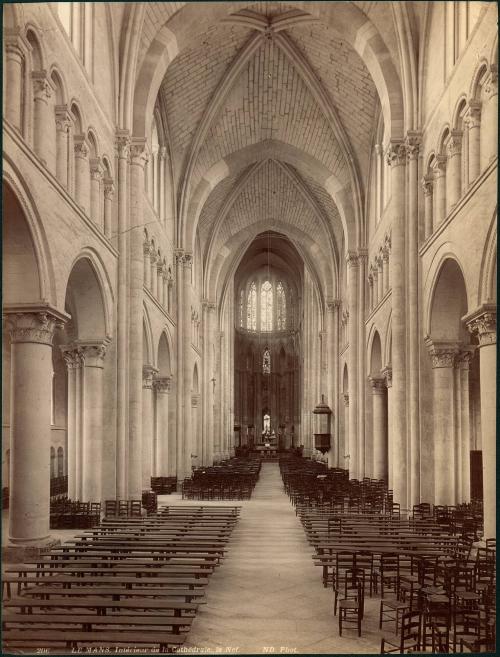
268,311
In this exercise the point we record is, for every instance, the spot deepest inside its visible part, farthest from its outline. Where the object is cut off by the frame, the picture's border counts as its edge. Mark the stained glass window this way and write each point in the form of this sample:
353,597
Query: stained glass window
266,306
266,362
252,308
281,307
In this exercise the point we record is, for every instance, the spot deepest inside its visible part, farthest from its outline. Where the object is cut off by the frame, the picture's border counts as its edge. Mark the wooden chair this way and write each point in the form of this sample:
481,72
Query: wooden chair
388,573
351,607
409,638
110,508
344,562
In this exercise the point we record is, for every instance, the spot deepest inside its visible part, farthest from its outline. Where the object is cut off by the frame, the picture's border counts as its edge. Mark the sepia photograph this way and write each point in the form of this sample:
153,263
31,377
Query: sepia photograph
249,279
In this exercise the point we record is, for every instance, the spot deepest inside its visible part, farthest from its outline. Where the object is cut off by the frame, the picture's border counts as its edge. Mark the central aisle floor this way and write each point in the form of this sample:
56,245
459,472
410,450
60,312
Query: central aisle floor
267,596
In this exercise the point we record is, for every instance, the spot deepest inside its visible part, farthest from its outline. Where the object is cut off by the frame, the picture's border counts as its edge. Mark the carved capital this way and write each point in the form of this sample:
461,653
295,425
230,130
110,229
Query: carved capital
81,147
63,118
396,154
351,259
146,247
483,323
385,253
187,260
162,153
195,399
162,384
41,85
346,398
439,166
472,117
92,351
412,145
72,356
464,358
179,256
148,374
109,189
454,143
333,305
427,185
490,87
33,324
442,354
210,306
378,384
139,152
387,372
95,169
122,144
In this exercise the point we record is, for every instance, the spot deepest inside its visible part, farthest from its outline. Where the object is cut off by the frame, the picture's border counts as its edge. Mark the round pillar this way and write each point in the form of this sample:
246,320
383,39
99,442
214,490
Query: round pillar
473,122
109,191
63,123
454,168
439,190
427,184
148,457
14,59
42,91
95,191
489,123
31,332
387,372
483,323
352,281
82,177
162,387
379,428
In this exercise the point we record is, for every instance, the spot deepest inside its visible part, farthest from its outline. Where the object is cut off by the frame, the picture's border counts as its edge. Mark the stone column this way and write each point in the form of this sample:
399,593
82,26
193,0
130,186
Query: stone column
122,151
172,438
375,287
412,150
162,178
82,177
109,191
439,190
14,60
346,457
162,385
136,283
385,255
352,290
489,122
380,278
147,265
31,332
370,292
148,458
180,428
210,375
152,276
159,282
73,359
95,191
92,354
463,360
362,258
443,412
454,168
197,449
187,362
397,160
332,318
483,323
63,124
427,184
387,372
473,122
42,91
379,428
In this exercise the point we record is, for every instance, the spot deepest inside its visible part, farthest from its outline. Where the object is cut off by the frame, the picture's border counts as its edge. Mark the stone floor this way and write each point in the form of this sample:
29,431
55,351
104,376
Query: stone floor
267,596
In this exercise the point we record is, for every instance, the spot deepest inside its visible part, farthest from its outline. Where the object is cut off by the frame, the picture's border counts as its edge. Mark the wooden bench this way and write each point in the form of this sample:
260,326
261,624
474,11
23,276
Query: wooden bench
50,592
102,604
88,621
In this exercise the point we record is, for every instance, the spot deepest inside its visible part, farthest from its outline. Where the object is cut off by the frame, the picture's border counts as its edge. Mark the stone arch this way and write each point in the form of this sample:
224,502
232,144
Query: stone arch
376,354
487,292
21,274
164,356
141,90
148,354
59,84
78,117
86,301
448,304
458,112
441,144
477,79
37,55
93,143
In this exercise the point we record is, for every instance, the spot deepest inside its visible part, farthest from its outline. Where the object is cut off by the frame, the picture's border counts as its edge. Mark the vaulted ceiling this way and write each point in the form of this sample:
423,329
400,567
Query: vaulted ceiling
267,73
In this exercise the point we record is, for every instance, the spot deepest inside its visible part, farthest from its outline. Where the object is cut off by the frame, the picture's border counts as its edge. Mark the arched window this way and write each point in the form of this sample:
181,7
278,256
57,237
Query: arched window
281,306
53,472
266,306
252,308
242,298
60,462
266,362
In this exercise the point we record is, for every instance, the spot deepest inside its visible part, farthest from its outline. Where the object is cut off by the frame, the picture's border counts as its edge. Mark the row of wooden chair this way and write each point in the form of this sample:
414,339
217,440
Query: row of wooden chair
73,514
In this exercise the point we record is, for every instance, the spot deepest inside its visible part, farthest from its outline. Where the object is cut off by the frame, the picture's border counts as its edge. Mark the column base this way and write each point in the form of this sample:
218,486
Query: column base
18,551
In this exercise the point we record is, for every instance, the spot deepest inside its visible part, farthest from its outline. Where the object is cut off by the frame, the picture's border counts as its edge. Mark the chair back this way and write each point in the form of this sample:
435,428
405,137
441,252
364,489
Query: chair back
411,629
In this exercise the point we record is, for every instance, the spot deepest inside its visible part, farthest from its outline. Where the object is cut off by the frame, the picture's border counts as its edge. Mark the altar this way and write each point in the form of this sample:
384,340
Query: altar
266,451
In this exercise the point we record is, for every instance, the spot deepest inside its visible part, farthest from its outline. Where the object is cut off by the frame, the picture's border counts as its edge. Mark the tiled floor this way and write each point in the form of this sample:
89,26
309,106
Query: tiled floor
267,596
